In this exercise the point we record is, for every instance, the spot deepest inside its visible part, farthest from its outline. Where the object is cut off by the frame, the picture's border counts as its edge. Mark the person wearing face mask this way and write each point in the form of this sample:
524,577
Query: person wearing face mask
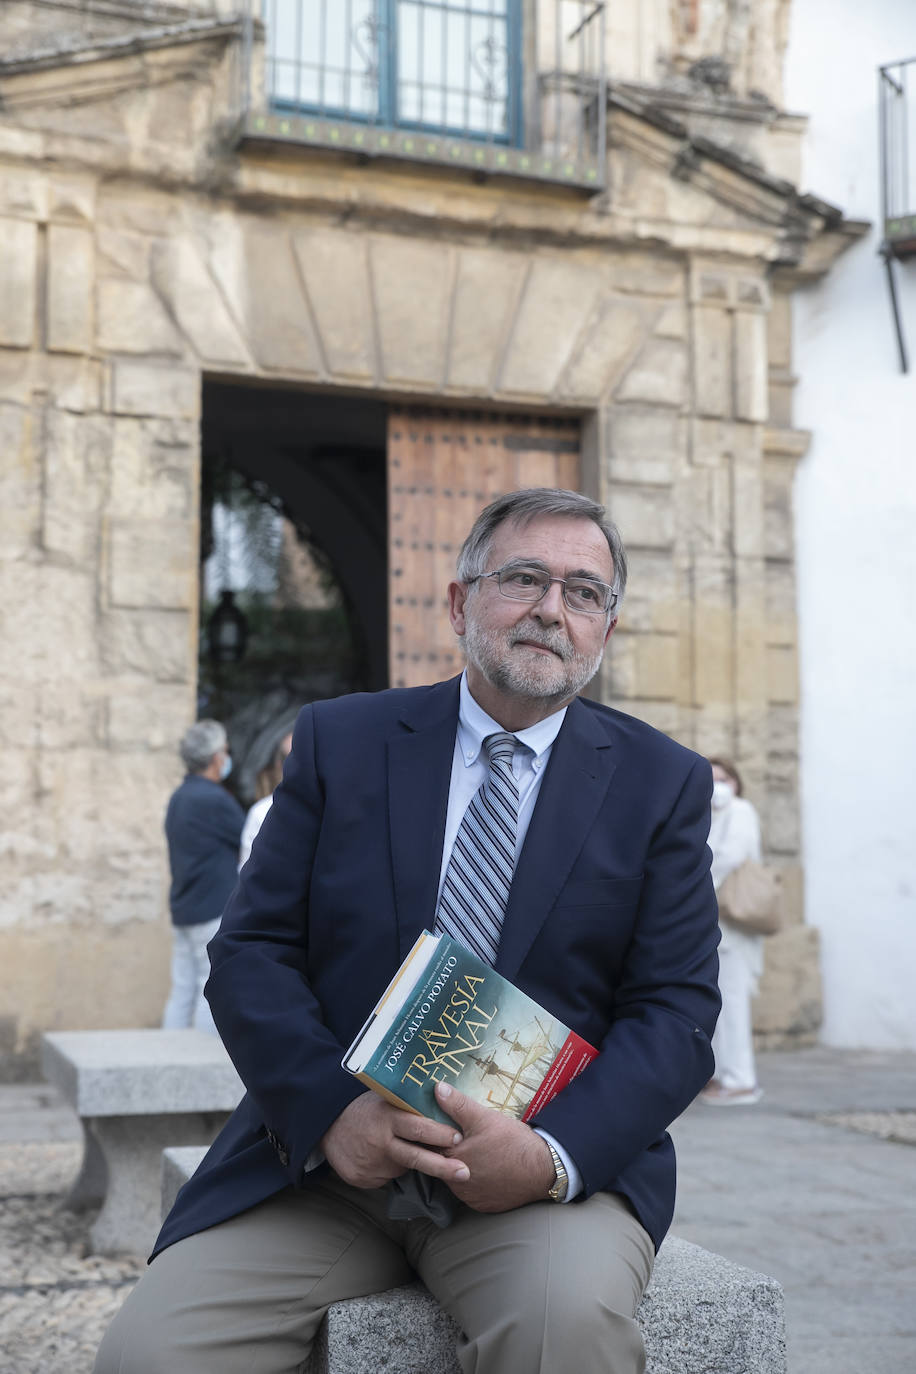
203,826
734,836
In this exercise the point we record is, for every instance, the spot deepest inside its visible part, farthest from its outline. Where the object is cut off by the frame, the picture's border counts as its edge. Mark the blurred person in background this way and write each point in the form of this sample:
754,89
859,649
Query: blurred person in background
734,836
203,826
267,780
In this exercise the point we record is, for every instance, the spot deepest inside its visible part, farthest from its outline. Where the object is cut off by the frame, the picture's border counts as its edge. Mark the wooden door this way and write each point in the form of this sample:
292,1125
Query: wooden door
443,468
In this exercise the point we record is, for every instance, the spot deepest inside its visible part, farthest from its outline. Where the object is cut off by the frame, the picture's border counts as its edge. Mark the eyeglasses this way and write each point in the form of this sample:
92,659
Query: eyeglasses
585,594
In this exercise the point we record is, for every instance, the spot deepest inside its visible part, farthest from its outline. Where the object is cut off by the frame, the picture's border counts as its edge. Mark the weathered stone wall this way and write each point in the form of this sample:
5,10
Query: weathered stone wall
142,252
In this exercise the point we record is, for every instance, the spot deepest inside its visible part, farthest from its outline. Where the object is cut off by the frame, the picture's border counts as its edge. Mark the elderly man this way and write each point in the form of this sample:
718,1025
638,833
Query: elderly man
383,825
203,824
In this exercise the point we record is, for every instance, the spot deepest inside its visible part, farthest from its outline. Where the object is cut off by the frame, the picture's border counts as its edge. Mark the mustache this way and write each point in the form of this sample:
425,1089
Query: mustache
556,642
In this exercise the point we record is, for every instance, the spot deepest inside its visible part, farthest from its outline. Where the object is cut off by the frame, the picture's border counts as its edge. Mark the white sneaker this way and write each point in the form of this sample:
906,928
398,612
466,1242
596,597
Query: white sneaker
717,1096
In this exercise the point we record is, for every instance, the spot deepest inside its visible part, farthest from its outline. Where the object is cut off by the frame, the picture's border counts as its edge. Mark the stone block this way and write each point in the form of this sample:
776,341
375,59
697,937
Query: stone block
750,364
747,510
75,461
700,1312
131,206
335,268
672,322
712,361
152,563
647,274
279,326
608,347
18,282
780,604
644,515
179,1163
181,276
20,485
780,820
131,318
72,383
71,266
782,729
644,666
154,466
159,645
141,1072
134,1090
71,197
556,305
645,446
145,388
790,1001
123,253
69,714
487,287
412,343
781,673
132,724
658,376
17,370
23,194
655,593
51,619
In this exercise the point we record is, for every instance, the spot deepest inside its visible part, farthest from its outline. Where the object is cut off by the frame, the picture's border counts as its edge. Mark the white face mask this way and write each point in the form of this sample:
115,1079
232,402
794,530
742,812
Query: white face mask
226,768
722,794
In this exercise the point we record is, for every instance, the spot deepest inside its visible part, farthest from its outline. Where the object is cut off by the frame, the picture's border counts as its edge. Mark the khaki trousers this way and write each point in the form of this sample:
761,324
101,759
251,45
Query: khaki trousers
544,1289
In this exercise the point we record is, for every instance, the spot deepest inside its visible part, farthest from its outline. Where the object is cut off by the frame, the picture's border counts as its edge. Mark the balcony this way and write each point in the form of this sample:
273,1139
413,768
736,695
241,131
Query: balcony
897,110
510,88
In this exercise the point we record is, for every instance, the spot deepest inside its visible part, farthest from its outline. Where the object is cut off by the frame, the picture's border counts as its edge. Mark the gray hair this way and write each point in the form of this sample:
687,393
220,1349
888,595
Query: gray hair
198,745
526,505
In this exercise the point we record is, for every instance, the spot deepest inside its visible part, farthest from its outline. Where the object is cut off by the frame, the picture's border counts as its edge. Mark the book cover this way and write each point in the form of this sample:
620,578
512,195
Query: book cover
448,1017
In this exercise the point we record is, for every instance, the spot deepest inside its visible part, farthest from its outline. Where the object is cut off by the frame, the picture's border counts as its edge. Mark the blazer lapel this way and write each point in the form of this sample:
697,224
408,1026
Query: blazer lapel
419,777
574,787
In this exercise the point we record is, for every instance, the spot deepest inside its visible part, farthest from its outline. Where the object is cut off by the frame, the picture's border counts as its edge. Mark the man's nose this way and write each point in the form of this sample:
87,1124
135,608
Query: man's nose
551,606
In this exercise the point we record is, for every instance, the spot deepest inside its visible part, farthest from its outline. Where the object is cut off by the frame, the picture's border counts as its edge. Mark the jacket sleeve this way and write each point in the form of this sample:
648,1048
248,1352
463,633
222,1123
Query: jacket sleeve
656,1055
258,990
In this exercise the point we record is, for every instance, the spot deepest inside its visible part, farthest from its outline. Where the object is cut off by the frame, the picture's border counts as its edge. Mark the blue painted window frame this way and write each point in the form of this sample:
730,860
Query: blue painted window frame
387,115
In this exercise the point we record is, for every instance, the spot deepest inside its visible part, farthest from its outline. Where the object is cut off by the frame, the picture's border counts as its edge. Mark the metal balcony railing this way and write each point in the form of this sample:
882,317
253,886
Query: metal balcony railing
897,114
514,87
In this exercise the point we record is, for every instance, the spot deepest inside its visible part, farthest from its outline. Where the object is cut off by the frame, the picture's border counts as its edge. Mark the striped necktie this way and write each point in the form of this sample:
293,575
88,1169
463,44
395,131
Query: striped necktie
479,873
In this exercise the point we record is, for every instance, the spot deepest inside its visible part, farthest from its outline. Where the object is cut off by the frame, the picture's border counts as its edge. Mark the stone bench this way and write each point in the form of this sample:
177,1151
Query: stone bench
701,1314
135,1092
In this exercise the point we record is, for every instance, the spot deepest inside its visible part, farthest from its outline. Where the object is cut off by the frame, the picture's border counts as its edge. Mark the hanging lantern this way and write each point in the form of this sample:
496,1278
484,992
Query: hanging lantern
227,632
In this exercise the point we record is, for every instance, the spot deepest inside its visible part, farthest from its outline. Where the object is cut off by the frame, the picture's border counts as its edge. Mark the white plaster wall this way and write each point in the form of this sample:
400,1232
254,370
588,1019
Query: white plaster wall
856,541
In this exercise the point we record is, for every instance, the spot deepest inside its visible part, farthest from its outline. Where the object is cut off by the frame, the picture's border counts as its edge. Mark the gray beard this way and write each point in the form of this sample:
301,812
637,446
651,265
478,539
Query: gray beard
537,679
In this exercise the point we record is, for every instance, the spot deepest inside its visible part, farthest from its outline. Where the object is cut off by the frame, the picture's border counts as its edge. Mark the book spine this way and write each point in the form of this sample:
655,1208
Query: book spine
575,1055
389,1096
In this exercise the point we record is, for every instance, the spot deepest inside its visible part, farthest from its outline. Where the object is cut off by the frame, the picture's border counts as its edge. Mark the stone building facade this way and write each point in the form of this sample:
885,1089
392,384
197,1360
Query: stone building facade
154,245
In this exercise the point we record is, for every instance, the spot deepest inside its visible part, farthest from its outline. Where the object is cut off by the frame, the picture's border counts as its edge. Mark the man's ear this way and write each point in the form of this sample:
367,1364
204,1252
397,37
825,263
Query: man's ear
611,628
457,596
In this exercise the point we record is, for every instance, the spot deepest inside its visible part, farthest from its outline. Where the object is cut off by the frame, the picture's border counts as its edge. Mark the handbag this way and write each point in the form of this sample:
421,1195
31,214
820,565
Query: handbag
751,898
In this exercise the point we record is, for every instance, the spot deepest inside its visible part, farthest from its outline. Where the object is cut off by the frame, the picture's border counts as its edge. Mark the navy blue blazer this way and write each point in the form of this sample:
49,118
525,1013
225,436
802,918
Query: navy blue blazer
611,925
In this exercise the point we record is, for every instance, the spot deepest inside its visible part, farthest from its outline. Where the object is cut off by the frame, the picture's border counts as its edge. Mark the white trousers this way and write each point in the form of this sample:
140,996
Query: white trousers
190,970
733,1040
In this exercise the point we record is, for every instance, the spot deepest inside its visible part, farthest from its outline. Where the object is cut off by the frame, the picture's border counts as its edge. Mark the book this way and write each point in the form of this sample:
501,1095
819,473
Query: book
446,1016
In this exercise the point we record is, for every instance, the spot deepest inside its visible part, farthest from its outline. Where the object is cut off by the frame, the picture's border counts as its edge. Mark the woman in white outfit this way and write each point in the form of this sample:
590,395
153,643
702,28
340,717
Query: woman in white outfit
734,836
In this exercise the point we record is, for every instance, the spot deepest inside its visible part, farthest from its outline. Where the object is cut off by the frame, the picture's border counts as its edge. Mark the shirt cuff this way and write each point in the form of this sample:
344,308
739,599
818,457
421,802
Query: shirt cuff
575,1178
315,1159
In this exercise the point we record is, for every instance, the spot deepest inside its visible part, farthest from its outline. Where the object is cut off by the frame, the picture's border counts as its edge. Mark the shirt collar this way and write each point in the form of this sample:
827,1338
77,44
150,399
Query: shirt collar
474,725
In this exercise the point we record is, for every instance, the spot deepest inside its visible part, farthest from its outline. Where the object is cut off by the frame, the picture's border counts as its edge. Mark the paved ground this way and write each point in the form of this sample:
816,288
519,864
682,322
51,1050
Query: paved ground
803,1186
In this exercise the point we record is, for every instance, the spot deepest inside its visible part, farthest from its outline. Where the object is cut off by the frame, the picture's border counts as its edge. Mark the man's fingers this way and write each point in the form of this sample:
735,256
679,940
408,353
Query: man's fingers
428,1162
463,1109
423,1131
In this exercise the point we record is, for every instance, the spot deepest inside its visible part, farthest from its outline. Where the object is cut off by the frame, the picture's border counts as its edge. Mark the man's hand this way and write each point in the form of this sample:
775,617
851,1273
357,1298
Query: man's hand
372,1142
510,1163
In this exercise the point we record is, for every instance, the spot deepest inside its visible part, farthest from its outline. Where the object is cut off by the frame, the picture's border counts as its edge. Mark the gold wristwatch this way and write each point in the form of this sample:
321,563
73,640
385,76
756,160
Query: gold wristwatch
561,1183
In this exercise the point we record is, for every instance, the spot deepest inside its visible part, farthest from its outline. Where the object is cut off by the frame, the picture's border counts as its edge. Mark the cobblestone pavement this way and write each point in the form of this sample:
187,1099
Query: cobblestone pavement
55,1298
815,1185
